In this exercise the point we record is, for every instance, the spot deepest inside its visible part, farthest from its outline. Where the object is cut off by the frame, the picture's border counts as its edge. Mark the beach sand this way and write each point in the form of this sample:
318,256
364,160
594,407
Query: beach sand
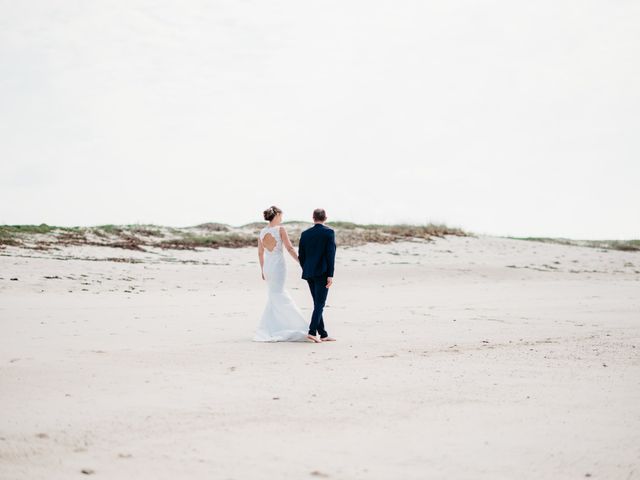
461,358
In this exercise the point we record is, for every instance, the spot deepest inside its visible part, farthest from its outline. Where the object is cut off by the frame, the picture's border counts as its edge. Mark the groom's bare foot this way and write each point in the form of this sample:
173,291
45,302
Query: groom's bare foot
327,339
313,339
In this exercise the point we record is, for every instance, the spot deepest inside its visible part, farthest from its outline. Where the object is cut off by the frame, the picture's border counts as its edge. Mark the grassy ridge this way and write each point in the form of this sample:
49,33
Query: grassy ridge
216,235
206,235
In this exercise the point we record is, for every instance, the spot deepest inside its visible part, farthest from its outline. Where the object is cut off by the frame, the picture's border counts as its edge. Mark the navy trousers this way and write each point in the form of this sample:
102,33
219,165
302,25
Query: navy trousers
319,291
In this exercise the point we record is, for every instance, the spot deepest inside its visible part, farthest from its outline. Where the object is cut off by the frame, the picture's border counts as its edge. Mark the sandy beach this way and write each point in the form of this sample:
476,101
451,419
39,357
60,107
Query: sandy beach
461,358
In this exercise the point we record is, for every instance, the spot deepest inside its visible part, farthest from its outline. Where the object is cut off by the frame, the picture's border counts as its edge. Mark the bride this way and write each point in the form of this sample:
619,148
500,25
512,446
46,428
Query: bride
281,319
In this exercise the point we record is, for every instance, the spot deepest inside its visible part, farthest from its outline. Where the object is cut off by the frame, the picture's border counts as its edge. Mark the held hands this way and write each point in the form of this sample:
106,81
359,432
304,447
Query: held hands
329,281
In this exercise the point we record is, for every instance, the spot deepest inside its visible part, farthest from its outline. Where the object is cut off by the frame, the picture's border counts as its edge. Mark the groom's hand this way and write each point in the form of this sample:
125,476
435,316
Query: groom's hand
329,281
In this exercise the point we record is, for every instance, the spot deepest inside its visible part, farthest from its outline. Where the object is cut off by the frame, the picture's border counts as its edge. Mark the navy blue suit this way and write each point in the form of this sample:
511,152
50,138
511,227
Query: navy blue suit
317,254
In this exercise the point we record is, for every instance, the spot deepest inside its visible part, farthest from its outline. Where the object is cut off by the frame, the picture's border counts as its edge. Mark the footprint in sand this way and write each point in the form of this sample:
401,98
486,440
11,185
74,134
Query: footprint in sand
317,473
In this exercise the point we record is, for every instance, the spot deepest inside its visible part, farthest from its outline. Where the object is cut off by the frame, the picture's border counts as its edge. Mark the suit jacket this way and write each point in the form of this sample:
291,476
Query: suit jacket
317,251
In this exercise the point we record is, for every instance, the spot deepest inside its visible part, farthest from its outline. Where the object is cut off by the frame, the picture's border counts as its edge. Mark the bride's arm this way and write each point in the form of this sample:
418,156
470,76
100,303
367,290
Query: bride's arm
288,245
261,256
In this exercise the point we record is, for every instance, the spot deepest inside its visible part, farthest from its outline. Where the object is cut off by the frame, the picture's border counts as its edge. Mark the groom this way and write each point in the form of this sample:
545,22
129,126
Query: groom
317,253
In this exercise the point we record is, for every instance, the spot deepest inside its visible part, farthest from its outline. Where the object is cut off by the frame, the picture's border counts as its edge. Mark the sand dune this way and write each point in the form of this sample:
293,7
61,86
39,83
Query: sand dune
464,357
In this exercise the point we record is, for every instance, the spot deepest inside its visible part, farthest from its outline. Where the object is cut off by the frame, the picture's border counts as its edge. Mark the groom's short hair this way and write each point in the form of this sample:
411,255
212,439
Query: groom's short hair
319,215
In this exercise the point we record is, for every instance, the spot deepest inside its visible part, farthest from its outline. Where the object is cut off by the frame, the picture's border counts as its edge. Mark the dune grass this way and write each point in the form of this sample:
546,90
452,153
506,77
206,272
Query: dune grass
191,241
11,230
205,235
217,235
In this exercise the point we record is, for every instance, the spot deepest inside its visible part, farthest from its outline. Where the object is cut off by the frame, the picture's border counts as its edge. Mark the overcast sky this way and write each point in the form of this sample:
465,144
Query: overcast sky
502,117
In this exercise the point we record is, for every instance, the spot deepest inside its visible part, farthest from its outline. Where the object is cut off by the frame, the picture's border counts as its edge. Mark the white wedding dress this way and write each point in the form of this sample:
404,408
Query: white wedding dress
282,320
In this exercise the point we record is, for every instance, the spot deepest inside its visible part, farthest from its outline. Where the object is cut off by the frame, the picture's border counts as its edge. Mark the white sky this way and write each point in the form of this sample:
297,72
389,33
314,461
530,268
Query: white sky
503,117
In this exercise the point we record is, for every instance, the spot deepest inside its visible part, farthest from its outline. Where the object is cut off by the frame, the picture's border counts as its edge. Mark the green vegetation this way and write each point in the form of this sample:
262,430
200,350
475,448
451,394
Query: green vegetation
216,235
205,235
346,225
113,229
190,241
370,232
146,230
213,227
255,225
27,229
14,234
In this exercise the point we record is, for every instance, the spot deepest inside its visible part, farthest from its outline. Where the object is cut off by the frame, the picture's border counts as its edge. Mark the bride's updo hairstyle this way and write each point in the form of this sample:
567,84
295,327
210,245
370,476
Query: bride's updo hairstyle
271,212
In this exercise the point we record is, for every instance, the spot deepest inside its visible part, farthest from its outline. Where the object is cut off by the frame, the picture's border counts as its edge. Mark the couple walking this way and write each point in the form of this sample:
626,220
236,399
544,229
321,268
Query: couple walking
282,320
